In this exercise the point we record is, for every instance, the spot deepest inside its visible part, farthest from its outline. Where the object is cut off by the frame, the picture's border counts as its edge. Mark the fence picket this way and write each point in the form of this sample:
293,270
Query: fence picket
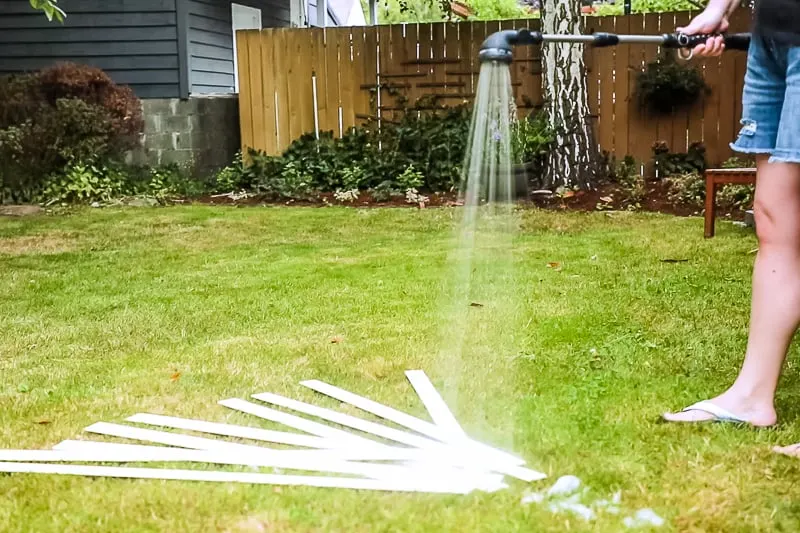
245,105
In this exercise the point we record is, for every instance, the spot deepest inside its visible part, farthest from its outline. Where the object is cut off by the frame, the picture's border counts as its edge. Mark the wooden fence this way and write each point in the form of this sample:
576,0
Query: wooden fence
300,80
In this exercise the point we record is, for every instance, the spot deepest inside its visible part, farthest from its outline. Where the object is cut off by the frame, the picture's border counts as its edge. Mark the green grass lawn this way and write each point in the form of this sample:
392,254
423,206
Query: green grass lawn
106,313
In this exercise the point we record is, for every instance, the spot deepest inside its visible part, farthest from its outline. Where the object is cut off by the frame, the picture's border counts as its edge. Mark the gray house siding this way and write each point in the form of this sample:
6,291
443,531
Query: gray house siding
211,51
135,41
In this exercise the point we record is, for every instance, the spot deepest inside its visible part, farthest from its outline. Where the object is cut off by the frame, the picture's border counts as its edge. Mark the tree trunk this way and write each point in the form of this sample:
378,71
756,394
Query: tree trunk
575,159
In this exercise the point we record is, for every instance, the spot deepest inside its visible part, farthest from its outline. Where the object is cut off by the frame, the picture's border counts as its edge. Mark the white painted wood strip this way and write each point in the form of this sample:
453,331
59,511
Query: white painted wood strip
170,439
236,477
314,460
350,421
387,453
522,472
378,409
230,430
409,421
457,456
74,445
407,455
117,453
435,404
296,422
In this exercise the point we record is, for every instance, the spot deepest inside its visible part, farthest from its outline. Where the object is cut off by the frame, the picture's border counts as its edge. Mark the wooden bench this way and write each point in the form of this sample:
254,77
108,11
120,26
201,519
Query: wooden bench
723,176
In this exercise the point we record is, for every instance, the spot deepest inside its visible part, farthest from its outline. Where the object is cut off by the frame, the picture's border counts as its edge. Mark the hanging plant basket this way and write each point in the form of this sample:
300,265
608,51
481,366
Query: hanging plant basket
665,86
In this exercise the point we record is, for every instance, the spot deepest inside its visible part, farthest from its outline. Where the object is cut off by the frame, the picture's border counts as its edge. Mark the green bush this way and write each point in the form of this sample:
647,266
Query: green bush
739,162
646,6
677,163
432,141
385,191
288,181
737,196
423,151
58,120
84,183
632,184
532,139
497,9
687,188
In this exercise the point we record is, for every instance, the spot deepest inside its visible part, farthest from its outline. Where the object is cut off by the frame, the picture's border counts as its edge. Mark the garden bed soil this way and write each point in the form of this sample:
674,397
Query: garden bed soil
608,196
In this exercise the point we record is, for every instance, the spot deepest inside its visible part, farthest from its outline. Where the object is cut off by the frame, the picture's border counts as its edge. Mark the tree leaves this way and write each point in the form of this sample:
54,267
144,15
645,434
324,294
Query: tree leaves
50,9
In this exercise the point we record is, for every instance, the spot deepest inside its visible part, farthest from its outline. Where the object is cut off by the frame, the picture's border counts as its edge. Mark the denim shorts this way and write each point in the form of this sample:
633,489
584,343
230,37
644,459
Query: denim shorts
771,102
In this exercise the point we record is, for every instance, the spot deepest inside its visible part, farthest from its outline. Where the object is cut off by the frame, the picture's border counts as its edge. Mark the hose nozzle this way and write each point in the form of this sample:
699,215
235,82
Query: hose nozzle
497,47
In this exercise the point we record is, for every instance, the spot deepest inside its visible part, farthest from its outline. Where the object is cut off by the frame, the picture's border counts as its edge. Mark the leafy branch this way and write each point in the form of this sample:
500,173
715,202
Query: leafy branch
50,9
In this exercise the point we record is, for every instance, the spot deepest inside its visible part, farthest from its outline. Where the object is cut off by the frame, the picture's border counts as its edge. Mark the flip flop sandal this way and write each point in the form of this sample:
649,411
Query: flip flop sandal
718,413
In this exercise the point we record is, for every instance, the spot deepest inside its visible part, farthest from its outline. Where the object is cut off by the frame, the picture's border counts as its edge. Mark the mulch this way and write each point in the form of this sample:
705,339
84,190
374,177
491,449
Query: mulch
607,196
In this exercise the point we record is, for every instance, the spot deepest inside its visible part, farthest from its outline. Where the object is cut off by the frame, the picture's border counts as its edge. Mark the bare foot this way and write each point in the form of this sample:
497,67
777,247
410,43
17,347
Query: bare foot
744,408
792,450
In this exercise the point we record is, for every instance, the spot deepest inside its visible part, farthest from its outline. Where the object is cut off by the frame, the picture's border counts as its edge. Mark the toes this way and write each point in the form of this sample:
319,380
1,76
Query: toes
792,450
691,415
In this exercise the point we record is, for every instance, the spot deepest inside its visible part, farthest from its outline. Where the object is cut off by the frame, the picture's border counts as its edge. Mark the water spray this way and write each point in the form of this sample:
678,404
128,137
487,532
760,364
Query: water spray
498,46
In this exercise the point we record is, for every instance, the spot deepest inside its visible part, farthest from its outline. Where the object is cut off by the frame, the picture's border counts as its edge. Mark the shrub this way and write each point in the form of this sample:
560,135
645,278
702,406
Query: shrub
233,177
385,190
688,188
674,163
289,183
410,178
424,150
738,196
432,140
497,10
532,139
739,162
645,6
58,119
84,183
632,184
122,109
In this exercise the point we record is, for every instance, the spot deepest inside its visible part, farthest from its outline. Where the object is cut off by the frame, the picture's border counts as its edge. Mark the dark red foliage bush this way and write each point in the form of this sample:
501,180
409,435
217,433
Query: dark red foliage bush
64,113
93,86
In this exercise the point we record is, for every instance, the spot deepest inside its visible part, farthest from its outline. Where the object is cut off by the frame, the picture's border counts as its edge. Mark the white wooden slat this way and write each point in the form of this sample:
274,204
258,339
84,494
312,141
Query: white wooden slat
296,422
331,461
230,430
117,453
435,404
411,422
170,439
350,421
236,477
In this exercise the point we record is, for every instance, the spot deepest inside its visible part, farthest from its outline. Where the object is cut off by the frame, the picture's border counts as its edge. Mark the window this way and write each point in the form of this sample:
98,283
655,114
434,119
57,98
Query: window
244,18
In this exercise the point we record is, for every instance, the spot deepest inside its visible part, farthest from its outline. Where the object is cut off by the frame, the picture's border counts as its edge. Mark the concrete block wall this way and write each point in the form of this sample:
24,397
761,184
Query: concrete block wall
201,133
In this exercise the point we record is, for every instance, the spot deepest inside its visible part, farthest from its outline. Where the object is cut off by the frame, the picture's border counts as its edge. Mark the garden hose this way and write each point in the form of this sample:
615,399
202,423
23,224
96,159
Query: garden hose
497,47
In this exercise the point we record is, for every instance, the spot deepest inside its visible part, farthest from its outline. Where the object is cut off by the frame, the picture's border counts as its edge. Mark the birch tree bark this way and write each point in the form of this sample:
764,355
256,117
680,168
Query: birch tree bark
575,159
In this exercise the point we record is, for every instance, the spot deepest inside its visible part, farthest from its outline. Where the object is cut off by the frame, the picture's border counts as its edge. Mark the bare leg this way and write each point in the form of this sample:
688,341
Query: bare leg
775,305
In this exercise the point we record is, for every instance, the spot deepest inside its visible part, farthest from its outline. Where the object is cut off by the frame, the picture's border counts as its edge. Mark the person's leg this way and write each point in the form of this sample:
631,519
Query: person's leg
775,306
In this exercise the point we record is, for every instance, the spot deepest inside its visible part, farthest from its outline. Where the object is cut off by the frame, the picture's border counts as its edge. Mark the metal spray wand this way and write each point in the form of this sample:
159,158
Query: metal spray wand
498,46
